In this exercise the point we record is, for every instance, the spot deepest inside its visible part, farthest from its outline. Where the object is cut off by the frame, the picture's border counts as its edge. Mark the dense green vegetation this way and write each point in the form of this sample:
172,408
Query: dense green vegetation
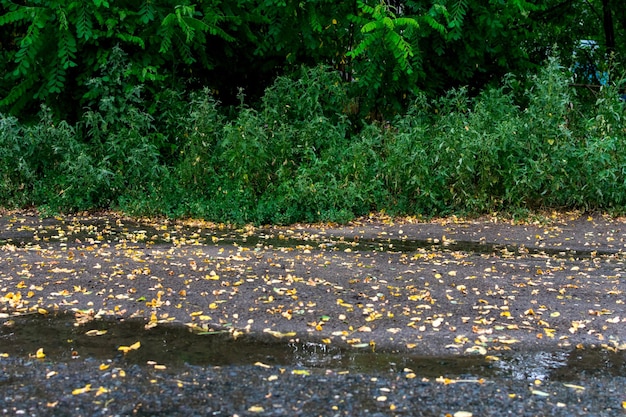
278,111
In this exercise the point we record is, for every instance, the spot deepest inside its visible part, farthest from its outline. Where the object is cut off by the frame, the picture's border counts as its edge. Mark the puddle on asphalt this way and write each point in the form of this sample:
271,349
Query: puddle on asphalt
62,341
98,231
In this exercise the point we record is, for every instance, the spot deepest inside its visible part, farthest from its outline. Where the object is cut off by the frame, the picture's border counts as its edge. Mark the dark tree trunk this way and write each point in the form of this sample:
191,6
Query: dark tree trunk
609,31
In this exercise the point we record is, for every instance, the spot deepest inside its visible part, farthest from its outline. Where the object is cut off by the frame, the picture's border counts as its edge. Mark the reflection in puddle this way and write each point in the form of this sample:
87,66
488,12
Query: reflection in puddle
175,346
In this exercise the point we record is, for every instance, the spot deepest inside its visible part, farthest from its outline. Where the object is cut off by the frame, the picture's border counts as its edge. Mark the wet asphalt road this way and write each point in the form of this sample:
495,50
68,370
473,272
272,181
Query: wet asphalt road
529,301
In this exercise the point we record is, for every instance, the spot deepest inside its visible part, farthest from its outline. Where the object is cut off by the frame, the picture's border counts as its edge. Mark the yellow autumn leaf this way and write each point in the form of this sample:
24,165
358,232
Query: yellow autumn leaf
279,335
256,409
127,349
476,350
96,332
104,366
83,390
40,354
300,372
445,381
262,365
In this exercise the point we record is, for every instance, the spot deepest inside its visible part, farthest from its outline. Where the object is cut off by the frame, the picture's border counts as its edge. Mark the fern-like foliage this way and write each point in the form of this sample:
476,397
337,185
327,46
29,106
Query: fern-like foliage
458,10
58,46
389,33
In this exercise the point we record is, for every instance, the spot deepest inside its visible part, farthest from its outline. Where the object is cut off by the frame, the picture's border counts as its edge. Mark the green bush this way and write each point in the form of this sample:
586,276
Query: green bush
297,157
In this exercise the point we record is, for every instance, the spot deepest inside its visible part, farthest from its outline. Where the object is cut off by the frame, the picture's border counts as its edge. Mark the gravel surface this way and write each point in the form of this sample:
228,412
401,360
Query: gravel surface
256,390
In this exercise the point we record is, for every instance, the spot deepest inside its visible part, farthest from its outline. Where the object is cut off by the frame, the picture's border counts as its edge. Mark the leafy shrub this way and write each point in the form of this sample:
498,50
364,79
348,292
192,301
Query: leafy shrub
296,156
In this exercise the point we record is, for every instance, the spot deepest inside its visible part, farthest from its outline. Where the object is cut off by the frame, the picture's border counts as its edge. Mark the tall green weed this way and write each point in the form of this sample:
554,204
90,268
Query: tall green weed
296,156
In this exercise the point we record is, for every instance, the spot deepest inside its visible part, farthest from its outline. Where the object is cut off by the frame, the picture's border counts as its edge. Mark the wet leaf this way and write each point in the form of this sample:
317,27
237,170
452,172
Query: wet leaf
83,390
262,365
96,332
301,372
256,409
476,350
578,387
126,349
279,335
40,354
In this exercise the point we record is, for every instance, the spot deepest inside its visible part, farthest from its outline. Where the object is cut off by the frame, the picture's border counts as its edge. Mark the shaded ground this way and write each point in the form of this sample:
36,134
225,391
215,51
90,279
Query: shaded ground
450,287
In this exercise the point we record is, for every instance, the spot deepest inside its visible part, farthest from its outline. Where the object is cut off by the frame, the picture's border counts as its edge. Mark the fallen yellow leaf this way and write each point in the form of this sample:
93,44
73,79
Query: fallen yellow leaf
96,332
300,372
127,349
279,335
256,409
83,390
262,365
